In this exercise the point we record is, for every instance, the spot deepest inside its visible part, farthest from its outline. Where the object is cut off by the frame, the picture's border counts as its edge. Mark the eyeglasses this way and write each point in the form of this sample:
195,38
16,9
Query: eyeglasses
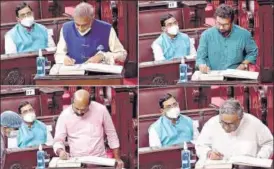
24,15
175,104
229,125
218,24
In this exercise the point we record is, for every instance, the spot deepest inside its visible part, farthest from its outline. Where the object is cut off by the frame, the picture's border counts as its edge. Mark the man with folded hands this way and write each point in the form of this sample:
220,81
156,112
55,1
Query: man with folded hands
84,124
234,133
88,40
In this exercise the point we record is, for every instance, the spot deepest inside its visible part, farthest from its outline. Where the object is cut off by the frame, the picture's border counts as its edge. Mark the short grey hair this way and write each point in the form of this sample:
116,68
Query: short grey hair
84,10
231,106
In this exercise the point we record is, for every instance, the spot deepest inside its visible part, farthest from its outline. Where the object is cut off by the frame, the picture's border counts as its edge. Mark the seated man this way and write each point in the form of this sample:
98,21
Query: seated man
225,46
86,39
84,123
26,35
172,43
10,122
233,133
172,127
32,131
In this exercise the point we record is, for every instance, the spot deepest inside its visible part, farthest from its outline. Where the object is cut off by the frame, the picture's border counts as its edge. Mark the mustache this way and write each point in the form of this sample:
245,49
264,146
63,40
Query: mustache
80,115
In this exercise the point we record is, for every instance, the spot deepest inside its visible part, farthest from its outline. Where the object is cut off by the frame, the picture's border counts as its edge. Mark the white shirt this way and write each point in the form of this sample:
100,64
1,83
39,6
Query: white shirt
10,46
252,138
159,54
154,139
117,50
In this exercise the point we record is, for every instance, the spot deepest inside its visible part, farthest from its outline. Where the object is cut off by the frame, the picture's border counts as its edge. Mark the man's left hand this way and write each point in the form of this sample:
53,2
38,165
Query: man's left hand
95,59
241,67
119,164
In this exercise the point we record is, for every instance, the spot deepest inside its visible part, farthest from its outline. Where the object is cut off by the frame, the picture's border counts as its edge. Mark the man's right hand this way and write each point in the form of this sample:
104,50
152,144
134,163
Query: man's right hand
69,61
204,68
215,155
63,155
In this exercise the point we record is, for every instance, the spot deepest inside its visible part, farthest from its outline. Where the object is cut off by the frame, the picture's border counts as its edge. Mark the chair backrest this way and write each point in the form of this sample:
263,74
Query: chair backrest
8,10
149,21
149,98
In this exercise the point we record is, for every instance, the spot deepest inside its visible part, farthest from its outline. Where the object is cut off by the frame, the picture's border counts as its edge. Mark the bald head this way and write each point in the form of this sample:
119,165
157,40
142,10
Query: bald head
81,100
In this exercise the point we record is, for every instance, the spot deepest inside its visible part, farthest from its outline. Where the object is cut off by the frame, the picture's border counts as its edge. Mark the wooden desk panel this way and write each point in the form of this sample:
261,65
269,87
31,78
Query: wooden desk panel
161,73
80,80
19,69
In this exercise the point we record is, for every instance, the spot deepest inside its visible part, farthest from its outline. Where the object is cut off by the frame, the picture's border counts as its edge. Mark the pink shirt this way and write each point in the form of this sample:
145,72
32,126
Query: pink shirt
86,134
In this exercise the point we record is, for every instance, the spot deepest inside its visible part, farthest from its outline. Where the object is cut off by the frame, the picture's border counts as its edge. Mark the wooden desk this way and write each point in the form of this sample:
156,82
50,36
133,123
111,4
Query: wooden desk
18,69
161,72
80,80
225,83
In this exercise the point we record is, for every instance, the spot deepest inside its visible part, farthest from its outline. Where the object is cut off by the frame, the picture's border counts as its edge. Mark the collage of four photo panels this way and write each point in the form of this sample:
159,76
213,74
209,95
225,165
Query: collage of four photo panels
137,84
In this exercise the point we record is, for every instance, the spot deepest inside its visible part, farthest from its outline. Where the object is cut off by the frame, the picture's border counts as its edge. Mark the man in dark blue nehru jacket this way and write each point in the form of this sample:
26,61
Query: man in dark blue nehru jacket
86,39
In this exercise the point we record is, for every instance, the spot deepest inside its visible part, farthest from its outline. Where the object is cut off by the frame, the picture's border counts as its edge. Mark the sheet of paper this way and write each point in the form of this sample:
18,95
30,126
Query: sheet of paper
104,68
211,76
12,142
76,161
241,74
213,164
251,161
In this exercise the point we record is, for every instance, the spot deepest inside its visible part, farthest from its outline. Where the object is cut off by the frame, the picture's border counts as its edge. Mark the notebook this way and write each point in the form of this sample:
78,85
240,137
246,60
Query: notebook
236,160
77,161
219,75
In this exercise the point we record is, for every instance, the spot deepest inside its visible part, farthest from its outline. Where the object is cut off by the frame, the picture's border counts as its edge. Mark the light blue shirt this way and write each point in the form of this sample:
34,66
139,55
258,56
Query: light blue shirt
177,47
28,41
33,136
221,53
170,134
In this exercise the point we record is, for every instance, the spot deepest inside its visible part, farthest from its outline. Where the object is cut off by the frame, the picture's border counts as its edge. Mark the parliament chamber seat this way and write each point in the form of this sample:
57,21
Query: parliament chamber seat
149,98
149,21
46,101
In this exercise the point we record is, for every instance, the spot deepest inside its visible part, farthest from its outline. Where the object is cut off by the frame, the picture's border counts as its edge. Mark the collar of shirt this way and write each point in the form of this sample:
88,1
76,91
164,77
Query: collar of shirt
25,125
172,39
170,122
26,28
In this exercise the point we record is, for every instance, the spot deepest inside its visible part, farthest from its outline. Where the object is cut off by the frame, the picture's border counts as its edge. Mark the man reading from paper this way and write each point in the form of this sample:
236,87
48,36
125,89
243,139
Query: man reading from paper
88,40
32,132
172,43
84,123
27,35
234,133
172,127
225,46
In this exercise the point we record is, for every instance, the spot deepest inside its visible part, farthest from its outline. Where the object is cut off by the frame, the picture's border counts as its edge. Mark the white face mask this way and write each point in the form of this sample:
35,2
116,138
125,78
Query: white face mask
29,117
84,33
13,134
173,113
28,21
173,30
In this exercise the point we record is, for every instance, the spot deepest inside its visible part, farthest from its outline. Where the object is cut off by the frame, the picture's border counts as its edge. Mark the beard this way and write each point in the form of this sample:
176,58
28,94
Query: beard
224,32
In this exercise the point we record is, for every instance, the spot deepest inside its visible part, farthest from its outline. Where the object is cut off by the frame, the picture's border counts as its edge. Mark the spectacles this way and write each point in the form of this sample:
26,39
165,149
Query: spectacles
229,125
24,15
218,24
175,104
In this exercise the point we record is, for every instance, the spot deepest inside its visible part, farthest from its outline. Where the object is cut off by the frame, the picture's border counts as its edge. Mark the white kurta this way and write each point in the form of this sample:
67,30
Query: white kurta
252,138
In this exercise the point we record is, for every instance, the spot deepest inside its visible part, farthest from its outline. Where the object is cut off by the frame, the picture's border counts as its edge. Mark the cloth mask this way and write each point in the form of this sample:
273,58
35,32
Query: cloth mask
84,33
173,112
13,134
28,21
29,117
173,30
